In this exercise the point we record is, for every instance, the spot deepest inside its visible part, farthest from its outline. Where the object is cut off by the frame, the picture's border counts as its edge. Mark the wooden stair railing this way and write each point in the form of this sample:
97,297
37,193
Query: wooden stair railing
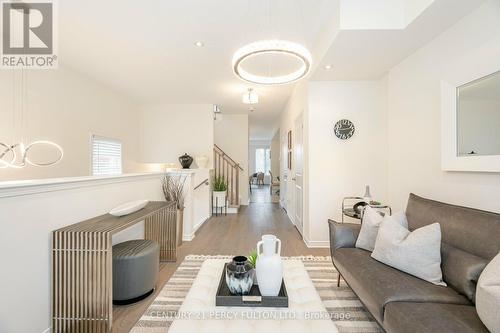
226,167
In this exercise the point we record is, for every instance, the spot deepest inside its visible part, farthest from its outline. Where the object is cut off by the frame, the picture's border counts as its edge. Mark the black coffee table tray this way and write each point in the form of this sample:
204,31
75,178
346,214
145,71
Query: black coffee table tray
253,299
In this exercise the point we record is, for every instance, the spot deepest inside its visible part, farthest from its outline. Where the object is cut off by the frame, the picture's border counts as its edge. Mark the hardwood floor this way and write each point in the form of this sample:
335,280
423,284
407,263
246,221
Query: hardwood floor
229,235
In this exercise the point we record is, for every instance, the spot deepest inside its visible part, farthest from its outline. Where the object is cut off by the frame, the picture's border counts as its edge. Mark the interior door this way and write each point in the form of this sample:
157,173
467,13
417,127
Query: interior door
298,167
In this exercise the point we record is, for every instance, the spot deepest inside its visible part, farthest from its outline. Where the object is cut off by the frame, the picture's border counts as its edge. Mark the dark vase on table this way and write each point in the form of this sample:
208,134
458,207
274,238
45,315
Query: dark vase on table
239,276
185,161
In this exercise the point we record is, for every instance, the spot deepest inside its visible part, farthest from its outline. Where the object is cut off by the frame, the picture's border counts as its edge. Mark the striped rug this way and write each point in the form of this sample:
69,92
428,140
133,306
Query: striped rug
344,307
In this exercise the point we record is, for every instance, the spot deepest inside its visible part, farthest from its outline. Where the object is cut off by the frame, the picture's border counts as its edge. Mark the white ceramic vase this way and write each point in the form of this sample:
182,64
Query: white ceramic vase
269,267
201,161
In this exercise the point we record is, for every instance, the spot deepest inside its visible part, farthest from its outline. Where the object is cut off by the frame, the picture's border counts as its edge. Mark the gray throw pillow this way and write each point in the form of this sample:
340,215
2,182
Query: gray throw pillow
488,295
370,225
417,253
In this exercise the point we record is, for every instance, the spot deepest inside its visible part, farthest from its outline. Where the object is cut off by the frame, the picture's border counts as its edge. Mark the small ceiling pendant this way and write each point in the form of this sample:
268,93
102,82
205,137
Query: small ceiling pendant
250,97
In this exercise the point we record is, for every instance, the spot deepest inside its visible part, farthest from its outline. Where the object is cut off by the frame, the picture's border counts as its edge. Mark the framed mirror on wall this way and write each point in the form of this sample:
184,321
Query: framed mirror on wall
470,122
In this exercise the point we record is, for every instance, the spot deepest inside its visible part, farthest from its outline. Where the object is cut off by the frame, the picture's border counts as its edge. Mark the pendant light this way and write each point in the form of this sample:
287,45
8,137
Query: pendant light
16,155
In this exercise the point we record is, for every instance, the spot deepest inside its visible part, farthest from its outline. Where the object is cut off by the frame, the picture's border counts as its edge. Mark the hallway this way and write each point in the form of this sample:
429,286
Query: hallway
228,235
261,194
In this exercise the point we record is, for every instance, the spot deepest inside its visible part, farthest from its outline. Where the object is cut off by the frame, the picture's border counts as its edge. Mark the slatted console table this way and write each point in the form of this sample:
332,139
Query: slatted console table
82,264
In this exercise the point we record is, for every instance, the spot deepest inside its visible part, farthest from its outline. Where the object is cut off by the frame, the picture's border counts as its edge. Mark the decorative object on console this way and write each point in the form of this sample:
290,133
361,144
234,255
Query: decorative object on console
367,197
239,275
488,295
269,267
173,190
353,207
201,161
128,208
185,161
344,129
416,252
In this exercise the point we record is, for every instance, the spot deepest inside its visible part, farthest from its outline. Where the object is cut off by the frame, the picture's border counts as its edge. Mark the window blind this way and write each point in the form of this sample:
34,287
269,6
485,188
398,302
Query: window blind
106,156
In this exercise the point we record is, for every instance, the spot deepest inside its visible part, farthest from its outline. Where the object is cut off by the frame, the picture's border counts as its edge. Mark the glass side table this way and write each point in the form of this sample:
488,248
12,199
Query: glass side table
348,210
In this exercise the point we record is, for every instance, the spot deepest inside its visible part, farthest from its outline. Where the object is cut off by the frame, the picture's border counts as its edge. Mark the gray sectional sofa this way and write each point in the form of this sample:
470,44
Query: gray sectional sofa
403,303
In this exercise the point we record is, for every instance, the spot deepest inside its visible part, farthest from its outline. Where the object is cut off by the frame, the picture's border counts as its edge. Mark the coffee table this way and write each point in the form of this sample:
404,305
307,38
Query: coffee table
306,312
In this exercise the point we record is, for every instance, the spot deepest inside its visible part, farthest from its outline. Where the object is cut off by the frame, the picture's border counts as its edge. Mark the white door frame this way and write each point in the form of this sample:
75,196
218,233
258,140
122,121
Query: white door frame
298,173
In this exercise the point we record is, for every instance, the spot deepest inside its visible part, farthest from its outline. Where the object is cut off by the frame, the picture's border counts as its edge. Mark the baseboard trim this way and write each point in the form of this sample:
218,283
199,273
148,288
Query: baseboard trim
190,237
317,244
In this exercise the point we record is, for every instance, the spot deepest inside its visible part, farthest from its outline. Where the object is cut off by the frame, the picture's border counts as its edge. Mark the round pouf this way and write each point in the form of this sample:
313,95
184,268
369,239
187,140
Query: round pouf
135,270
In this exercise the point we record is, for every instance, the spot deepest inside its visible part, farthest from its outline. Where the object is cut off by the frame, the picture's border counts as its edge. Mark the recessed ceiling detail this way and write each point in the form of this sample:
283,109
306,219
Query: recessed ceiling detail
274,47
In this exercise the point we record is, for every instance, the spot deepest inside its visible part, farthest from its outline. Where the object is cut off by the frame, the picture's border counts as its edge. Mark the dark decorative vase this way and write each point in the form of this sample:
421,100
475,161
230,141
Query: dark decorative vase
239,276
185,161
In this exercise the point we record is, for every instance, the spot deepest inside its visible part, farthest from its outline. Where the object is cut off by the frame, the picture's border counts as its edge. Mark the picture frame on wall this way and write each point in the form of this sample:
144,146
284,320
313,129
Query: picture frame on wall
289,155
289,140
289,160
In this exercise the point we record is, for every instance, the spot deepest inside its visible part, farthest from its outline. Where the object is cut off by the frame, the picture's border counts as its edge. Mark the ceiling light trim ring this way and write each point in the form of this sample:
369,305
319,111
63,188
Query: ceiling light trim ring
284,47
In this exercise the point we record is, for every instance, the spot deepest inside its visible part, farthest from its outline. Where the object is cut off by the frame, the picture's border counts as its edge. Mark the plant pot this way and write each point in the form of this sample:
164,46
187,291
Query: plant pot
180,226
219,199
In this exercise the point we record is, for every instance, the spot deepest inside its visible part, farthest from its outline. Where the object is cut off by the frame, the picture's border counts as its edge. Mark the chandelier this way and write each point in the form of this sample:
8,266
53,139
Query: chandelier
268,47
16,155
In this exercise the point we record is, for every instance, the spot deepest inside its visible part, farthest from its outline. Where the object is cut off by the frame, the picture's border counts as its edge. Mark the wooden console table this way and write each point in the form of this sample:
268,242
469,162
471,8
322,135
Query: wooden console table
82,265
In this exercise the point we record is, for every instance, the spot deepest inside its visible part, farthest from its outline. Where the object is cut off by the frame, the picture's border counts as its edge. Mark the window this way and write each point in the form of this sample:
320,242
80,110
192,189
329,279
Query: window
262,160
106,156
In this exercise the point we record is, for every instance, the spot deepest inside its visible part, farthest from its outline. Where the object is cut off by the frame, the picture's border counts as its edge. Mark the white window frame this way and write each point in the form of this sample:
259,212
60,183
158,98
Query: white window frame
101,138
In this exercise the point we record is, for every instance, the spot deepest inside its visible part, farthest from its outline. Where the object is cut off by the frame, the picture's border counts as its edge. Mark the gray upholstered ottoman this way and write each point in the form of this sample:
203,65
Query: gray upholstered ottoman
135,270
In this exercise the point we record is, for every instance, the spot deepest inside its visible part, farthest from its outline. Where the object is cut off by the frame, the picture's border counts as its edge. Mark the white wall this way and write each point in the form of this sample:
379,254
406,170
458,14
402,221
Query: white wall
65,107
340,168
414,163
231,135
27,223
170,130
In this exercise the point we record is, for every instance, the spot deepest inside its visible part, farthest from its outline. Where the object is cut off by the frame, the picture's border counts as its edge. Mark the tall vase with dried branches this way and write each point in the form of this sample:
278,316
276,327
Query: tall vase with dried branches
173,189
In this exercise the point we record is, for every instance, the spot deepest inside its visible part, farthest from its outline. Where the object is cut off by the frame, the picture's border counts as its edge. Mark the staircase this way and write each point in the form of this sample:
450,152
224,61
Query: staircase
226,167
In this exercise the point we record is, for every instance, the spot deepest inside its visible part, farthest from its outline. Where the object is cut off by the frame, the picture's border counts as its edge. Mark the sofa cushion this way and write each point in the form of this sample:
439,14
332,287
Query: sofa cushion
377,284
488,295
461,270
431,317
416,252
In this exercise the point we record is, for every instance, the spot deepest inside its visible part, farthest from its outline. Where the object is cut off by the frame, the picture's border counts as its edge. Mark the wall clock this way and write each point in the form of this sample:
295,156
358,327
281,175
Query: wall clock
344,129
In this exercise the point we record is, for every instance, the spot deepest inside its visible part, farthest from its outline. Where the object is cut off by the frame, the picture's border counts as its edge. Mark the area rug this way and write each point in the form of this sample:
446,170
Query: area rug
342,304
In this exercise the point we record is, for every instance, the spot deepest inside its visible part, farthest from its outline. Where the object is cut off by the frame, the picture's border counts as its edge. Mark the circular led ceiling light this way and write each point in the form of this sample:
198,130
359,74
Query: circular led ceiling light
272,47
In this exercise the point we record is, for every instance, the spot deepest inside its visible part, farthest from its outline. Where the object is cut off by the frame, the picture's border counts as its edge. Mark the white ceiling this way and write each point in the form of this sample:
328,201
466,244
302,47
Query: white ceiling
364,54
145,49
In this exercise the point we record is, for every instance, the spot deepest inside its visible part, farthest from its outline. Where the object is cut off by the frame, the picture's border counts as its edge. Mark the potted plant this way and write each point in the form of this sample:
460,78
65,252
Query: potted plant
219,191
173,189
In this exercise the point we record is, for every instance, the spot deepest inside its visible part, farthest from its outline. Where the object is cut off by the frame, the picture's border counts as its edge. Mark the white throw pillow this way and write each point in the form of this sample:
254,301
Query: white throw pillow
370,225
488,295
417,253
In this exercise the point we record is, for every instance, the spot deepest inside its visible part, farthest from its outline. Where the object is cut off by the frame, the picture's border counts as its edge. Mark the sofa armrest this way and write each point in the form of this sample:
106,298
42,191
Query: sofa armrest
343,235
